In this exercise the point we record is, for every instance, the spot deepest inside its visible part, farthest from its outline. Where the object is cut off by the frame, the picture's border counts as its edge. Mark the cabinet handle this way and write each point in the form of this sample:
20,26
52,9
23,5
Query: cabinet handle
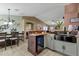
63,47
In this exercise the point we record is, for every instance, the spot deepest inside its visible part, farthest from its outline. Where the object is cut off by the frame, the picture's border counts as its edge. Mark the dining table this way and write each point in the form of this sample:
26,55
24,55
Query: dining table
9,35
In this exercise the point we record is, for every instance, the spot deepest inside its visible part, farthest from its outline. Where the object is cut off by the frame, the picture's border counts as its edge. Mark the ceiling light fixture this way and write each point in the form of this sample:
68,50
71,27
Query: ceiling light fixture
9,20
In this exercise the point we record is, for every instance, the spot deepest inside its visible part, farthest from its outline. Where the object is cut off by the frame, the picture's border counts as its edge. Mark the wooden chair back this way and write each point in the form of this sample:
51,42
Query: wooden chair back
3,35
14,34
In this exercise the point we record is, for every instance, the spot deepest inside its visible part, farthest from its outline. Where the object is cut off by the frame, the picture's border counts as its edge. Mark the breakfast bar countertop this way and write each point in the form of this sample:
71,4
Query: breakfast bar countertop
37,34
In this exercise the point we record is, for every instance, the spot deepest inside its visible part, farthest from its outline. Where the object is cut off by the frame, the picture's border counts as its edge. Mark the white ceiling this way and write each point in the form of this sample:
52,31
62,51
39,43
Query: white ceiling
44,11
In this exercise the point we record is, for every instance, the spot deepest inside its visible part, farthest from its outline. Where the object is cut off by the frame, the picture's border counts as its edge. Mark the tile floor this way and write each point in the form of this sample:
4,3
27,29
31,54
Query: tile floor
21,50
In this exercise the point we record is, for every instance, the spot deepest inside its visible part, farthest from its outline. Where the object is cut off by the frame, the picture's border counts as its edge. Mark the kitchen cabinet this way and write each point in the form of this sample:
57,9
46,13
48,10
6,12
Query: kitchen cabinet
78,51
36,43
71,8
66,47
71,15
70,48
78,45
71,11
59,45
50,41
32,45
45,41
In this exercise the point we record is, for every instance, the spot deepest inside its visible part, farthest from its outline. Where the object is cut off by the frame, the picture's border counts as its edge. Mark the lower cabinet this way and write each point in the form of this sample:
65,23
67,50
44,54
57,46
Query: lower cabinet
70,48
78,45
50,41
45,41
58,46
66,47
78,49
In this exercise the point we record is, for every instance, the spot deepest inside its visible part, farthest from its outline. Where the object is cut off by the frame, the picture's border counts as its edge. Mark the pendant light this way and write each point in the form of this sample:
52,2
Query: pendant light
9,20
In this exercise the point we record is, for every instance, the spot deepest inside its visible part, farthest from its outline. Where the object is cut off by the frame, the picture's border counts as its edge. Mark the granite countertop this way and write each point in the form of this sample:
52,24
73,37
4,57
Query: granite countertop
37,34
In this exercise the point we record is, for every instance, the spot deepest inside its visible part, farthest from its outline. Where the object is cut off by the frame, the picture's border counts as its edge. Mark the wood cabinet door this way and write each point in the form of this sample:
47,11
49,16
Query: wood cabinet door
70,48
58,46
32,44
71,8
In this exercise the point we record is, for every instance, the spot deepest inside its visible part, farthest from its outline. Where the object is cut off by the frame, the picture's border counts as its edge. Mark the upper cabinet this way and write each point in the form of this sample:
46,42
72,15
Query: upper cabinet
71,15
71,8
71,11
78,7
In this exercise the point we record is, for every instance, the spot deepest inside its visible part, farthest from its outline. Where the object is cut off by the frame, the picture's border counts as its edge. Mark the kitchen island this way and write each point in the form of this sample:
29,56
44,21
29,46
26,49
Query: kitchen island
36,43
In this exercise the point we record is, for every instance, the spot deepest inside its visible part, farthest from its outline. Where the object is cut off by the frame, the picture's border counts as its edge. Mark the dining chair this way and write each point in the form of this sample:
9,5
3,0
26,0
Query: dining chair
14,37
21,36
3,38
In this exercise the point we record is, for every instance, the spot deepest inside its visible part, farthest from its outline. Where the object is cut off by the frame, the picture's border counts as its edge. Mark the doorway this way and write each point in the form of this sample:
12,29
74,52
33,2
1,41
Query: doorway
29,27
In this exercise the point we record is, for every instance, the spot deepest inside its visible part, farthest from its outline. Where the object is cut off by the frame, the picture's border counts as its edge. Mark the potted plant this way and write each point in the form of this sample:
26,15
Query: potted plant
59,24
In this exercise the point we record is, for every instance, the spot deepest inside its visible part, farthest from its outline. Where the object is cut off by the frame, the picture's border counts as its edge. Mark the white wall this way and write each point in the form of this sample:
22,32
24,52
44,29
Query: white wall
54,13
